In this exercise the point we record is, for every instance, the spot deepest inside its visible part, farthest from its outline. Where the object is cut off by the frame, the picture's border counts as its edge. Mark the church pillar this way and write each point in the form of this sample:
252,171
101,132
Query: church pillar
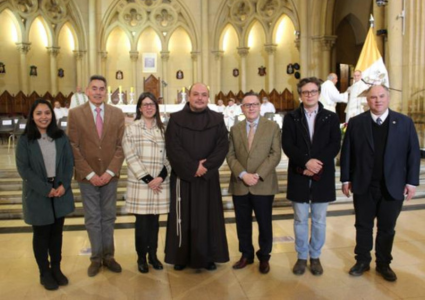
394,57
271,50
165,56
243,52
205,36
92,37
53,53
379,16
134,56
103,59
218,55
78,55
23,48
195,74
304,47
326,43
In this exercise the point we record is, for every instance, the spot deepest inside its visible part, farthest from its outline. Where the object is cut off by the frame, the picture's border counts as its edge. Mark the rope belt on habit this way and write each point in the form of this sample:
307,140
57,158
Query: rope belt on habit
178,212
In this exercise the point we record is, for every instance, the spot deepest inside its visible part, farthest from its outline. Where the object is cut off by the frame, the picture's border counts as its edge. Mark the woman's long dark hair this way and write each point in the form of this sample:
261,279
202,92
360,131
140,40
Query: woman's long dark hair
157,113
31,130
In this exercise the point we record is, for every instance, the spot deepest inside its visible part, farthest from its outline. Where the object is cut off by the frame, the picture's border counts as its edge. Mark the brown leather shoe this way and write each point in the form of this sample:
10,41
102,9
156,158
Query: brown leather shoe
94,268
264,267
316,267
112,265
240,264
299,267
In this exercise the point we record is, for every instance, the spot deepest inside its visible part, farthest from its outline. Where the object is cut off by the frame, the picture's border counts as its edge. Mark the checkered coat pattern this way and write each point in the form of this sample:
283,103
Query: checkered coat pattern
144,151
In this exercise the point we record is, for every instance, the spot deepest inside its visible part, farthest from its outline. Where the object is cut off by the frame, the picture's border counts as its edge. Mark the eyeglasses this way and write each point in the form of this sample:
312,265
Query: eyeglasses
310,93
146,105
249,105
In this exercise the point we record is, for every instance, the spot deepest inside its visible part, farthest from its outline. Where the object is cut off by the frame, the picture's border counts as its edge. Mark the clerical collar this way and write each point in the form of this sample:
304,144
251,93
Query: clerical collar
383,117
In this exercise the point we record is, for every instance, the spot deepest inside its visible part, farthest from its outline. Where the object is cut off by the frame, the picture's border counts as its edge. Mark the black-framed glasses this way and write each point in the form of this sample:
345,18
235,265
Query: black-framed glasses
148,104
310,93
249,105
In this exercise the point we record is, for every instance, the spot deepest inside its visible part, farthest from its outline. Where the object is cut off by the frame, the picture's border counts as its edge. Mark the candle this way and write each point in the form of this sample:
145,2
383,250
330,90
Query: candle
183,89
109,89
120,89
131,89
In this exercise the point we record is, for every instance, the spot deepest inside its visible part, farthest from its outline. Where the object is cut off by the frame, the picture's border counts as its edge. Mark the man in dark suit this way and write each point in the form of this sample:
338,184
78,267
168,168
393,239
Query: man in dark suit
380,163
311,139
95,130
254,153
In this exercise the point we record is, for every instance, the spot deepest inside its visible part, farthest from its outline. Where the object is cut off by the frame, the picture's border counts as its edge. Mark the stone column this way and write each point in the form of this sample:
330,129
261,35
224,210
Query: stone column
165,56
379,16
78,55
326,43
303,37
92,37
134,56
218,55
103,59
271,50
243,52
394,56
23,49
53,53
205,36
195,74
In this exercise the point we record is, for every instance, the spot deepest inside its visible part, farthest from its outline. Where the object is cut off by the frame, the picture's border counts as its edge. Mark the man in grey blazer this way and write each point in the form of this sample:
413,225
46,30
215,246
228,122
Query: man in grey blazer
254,153
95,130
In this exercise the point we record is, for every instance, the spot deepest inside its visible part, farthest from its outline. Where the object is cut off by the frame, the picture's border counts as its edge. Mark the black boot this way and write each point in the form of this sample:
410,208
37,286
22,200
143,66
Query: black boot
47,280
153,260
58,276
142,264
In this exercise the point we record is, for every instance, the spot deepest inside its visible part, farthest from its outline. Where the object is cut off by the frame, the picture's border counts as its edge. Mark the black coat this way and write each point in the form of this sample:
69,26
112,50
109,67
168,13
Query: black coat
297,146
401,159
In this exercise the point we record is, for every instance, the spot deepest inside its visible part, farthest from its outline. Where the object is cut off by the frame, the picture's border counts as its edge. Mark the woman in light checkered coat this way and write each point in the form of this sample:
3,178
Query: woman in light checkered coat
148,193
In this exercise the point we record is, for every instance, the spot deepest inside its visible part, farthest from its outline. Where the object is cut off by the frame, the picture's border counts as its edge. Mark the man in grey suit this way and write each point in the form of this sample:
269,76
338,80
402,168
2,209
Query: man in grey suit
254,153
95,130
380,162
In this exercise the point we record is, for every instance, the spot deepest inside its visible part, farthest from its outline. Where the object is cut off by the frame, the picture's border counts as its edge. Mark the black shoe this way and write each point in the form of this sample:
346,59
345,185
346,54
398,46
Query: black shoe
242,263
316,267
47,280
143,267
179,267
94,268
59,277
156,264
386,272
264,267
112,265
211,266
359,268
299,267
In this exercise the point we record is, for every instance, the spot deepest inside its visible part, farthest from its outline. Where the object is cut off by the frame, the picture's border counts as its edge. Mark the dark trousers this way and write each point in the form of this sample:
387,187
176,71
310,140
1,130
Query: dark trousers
146,235
47,240
262,207
375,204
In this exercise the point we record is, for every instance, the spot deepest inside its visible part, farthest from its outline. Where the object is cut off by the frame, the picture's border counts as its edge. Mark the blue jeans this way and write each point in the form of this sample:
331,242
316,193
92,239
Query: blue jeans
303,245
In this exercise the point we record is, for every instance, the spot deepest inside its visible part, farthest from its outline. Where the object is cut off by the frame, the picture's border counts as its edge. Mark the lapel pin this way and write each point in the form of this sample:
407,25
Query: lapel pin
394,122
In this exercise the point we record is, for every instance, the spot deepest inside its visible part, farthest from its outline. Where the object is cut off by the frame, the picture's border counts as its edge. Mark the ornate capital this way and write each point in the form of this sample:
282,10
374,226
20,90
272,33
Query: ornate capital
194,55
165,55
53,51
243,51
23,47
270,48
103,55
327,42
78,54
218,54
134,55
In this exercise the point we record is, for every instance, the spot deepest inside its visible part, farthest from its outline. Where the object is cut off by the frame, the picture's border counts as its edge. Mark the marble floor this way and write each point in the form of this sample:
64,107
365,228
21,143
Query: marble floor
19,275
